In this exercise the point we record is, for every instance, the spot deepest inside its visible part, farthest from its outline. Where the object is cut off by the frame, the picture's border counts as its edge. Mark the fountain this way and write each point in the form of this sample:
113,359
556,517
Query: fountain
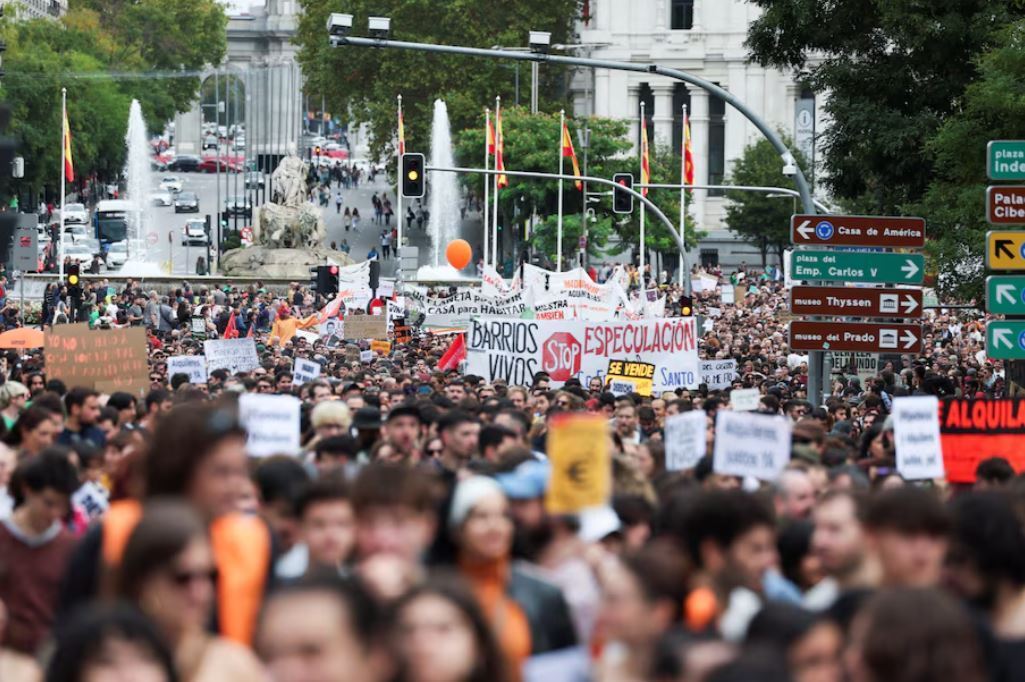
137,170
443,202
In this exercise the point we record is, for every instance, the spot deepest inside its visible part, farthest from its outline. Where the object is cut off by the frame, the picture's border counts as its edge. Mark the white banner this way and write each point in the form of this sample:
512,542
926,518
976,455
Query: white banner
271,422
916,437
455,310
514,350
755,445
685,439
193,365
718,374
234,355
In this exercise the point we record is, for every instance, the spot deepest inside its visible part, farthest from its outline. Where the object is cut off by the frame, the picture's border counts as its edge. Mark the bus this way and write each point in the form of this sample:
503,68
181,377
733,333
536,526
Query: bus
110,220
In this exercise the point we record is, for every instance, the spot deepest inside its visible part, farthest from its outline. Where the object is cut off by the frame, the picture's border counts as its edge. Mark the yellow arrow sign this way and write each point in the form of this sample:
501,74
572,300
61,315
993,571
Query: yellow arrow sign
1005,250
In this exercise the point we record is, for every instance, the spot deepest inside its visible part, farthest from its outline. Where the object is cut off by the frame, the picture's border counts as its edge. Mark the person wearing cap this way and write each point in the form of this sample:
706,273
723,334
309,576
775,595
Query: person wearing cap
403,429
366,422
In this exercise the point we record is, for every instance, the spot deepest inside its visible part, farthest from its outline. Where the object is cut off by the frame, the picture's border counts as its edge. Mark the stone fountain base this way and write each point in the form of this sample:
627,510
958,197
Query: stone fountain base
263,261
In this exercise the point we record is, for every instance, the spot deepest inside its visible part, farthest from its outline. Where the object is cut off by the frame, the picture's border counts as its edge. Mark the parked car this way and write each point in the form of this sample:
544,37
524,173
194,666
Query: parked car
186,202
171,183
76,233
210,142
83,253
162,198
185,163
255,179
117,254
194,233
238,206
75,213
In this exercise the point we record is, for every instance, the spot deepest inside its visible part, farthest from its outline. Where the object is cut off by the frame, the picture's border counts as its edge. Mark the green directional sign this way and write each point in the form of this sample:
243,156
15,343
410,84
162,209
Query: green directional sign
857,266
1005,339
1005,160
1005,294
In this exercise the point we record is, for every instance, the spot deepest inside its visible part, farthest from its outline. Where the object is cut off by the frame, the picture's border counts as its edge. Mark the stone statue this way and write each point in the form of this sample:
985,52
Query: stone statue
289,182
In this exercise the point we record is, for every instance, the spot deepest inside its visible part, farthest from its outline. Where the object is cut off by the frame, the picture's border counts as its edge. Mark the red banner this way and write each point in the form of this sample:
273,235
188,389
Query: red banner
974,430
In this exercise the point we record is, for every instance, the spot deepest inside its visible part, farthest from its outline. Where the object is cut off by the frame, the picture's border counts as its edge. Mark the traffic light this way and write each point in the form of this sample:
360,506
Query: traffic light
686,306
73,274
316,151
622,202
375,275
412,176
325,279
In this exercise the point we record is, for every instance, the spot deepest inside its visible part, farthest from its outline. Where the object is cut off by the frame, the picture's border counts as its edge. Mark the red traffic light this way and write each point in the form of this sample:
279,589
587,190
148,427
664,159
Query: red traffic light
333,269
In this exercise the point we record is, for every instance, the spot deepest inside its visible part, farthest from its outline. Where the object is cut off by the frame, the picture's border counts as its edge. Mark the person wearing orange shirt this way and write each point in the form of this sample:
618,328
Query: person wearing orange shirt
285,326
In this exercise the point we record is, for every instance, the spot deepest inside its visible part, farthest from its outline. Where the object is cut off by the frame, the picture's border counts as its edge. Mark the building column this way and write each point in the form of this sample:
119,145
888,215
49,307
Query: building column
736,123
634,114
188,130
699,138
601,92
663,114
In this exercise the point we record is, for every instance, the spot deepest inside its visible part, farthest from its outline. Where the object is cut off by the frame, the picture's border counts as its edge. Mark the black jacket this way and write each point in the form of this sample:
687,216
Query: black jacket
551,627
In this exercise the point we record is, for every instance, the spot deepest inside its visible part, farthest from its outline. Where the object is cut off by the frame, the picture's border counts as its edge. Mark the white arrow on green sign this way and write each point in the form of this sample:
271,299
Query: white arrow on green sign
1005,339
856,266
1005,294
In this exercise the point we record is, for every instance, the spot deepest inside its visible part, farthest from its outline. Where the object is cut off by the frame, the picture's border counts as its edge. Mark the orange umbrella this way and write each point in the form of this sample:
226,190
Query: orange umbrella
22,337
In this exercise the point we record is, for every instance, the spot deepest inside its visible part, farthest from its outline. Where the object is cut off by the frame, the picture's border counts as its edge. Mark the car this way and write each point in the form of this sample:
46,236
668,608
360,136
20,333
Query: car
240,143
255,180
83,253
185,163
117,254
238,206
186,202
194,233
171,183
77,233
210,164
75,213
210,142
162,198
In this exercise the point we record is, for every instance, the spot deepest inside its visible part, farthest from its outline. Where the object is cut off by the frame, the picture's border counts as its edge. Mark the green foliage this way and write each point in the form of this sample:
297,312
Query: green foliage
366,82
759,218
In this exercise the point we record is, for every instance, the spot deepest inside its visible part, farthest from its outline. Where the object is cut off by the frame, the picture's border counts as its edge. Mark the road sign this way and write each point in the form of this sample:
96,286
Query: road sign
1005,339
847,266
1005,204
151,238
855,302
853,230
1005,160
863,337
1005,294
1005,250
25,254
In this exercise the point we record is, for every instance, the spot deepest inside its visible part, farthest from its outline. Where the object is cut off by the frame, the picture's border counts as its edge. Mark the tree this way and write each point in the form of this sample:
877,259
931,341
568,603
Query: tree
893,72
366,82
759,218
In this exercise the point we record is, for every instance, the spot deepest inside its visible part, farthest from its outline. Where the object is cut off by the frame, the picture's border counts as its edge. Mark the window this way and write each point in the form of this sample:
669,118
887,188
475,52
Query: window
716,143
681,15
709,258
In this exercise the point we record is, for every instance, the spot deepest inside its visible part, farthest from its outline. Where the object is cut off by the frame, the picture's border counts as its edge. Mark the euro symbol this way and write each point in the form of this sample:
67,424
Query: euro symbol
577,472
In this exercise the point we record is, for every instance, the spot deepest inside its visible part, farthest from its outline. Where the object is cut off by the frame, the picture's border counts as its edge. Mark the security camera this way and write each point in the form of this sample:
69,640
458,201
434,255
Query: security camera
339,24
540,41
789,165
379,27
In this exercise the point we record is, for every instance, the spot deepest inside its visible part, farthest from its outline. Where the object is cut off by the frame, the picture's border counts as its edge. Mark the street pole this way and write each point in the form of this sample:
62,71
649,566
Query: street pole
217,163
64,160
585,143
487,188
683,192
641,245
399,149
494,208
534,74
558,238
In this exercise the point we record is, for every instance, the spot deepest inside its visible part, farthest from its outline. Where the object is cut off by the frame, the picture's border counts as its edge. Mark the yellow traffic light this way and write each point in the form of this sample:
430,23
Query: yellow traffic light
413,175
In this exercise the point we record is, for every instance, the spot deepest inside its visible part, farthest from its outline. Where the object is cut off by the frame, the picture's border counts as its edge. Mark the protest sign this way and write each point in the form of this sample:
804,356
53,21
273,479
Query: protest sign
755,445
234,355
718,374
455,309
193,365
973,430
745,399
578,449
106,360
916,436
366,356
625,376
514,350
366,327
271,422
304,370
726,294
308,337
685,439
864,365
382,347
331,328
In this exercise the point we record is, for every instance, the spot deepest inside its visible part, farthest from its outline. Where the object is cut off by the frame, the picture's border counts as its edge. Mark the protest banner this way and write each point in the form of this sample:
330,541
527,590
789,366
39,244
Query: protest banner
745,399
365,327
973,430
271,423
514,350
193,365
916,437
382,347
456,308
685,439
304,370
578,449
718,374
625,376
755,445
106,360
234,355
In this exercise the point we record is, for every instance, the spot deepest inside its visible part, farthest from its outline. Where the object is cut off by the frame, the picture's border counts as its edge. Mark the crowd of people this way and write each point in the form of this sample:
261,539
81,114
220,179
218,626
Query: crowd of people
409,539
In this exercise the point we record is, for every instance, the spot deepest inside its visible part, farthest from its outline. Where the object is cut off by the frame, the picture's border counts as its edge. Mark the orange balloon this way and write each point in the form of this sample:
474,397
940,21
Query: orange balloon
458,253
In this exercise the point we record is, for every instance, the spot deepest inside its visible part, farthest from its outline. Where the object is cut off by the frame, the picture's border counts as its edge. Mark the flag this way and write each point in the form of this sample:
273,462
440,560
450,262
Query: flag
231,330
249,334
402,135
455,354
503,181
688,153
490,134
69,166
330,310
567,150
645,168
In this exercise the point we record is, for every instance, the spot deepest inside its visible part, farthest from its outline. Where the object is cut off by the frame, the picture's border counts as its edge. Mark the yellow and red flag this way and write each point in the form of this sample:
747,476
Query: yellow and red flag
645,167
490,134
503,180
567,150
69,166
688,153
402,135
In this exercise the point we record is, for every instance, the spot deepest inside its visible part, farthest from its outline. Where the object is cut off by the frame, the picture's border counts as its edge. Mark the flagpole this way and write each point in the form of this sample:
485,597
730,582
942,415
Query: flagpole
640,277
64,161
494,207
558,238
399,215
683,191
487,184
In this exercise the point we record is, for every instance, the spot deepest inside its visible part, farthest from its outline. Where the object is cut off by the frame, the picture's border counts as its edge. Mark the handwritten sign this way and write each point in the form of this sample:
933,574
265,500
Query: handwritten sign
745,399
718,374
755,445
366,356
304,370
916,435
234,355
102,359
366,327
685,439
193,365
578,447
271,422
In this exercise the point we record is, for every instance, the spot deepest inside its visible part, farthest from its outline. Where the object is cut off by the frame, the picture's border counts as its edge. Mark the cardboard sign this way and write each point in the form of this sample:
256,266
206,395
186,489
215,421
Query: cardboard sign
366,356
366,327
271,422
402,333
106,360
382,347
916,435
718,374
745,399
578,448
234,355
304,370
684,436
755,445
625,376
193,365
974,430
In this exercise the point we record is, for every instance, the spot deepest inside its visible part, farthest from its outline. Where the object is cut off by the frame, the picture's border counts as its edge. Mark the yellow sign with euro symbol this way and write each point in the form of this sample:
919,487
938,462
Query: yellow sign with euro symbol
1005,250
578,449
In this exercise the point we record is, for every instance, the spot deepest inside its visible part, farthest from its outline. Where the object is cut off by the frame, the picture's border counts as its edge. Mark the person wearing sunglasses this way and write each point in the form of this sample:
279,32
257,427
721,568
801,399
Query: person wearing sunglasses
168,569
